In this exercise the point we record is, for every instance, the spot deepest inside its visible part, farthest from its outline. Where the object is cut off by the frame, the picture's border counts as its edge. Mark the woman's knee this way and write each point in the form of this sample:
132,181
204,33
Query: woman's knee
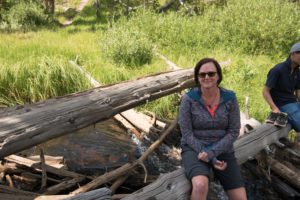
200,184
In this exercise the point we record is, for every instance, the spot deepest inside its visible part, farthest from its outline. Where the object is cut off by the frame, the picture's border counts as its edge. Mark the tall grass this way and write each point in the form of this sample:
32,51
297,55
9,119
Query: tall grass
28,82
254,35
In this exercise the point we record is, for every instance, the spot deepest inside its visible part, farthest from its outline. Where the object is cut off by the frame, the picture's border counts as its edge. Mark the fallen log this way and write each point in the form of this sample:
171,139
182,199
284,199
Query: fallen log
67,184
99,194
249,145
285,190
32,164
16,197
291,174
245,148
170,186
8,190
22,127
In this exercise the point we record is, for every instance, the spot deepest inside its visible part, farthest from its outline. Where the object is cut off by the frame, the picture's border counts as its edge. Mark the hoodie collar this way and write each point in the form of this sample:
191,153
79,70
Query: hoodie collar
225,95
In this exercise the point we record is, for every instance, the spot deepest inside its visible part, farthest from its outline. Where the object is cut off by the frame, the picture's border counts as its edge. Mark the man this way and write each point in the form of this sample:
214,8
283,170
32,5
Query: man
282,90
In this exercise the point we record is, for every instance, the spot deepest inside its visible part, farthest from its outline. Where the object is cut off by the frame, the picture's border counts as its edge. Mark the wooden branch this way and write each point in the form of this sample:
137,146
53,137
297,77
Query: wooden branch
117,183
55,189
10,168
138,121
54,161
118,196
28,179
9,180
16,197
99,194
127,167
9,190
44,172
289,154
38,176
283,188
291,175
31,164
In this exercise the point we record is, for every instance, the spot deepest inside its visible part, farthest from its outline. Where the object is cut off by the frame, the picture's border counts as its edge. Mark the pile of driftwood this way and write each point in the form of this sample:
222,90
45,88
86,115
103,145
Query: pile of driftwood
26,126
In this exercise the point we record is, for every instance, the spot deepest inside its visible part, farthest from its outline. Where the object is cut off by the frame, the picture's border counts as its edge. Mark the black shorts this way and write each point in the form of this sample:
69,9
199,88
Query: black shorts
230,178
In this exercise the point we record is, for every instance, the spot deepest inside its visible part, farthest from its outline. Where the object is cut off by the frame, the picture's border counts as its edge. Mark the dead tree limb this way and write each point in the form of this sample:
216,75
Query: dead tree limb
44,172
32,164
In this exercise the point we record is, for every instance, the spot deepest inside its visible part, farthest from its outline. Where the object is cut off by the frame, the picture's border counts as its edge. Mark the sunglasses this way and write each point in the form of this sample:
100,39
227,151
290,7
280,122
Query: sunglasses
203,74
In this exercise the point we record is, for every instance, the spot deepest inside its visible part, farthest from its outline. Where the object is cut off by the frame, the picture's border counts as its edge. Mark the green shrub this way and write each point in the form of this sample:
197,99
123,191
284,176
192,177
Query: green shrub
127,46
25,15
251,27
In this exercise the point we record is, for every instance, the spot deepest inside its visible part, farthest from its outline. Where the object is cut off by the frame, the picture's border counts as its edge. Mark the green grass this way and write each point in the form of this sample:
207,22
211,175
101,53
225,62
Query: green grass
252,41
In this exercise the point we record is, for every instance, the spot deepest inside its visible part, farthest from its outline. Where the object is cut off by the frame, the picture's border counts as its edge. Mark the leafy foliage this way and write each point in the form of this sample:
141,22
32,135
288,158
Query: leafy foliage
22,15
127,46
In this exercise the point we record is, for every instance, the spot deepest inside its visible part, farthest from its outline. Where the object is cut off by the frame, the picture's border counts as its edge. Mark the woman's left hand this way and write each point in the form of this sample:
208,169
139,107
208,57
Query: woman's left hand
203,156
220,165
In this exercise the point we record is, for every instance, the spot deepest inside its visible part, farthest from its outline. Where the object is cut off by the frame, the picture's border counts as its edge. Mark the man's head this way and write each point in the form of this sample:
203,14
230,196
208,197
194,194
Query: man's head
295,54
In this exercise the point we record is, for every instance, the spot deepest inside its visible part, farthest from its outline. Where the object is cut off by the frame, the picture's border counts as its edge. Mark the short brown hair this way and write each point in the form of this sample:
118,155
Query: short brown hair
204,61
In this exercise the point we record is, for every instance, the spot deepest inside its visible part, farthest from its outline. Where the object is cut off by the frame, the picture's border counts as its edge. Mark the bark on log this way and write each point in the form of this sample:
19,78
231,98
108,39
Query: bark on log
99,194
171,186
167,187
8,190
291,175
55,189
289,154
264,135
25,126
16,197
32,164
54,161
284,189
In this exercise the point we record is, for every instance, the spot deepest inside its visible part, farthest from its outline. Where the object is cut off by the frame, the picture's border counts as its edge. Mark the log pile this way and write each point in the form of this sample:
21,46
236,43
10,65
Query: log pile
46,177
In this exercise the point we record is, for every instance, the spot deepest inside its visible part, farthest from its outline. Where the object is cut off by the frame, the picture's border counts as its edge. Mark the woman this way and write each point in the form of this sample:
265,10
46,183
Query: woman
210,122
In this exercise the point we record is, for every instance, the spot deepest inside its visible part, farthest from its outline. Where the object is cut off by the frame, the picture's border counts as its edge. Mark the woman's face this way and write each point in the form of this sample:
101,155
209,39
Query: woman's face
208,76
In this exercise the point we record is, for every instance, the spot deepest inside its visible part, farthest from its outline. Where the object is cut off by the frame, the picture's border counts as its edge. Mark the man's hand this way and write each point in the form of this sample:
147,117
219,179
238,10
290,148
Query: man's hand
203,156
220,165
276,110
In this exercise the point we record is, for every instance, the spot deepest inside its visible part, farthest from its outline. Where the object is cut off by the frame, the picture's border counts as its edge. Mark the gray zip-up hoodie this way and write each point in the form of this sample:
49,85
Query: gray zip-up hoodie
202,132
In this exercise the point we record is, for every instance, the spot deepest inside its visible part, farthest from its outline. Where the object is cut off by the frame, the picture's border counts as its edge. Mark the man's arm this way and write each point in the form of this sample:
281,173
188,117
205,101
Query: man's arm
298,94
269,100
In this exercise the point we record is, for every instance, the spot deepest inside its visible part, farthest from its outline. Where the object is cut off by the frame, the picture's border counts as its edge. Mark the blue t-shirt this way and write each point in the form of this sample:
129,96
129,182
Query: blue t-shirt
283,84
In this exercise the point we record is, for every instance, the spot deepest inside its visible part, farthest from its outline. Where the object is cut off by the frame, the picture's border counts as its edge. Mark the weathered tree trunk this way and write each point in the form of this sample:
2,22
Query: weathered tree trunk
264,135
25,126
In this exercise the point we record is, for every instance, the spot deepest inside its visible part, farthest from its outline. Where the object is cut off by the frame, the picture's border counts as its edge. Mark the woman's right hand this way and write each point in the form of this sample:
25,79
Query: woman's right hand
220,165
203,156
